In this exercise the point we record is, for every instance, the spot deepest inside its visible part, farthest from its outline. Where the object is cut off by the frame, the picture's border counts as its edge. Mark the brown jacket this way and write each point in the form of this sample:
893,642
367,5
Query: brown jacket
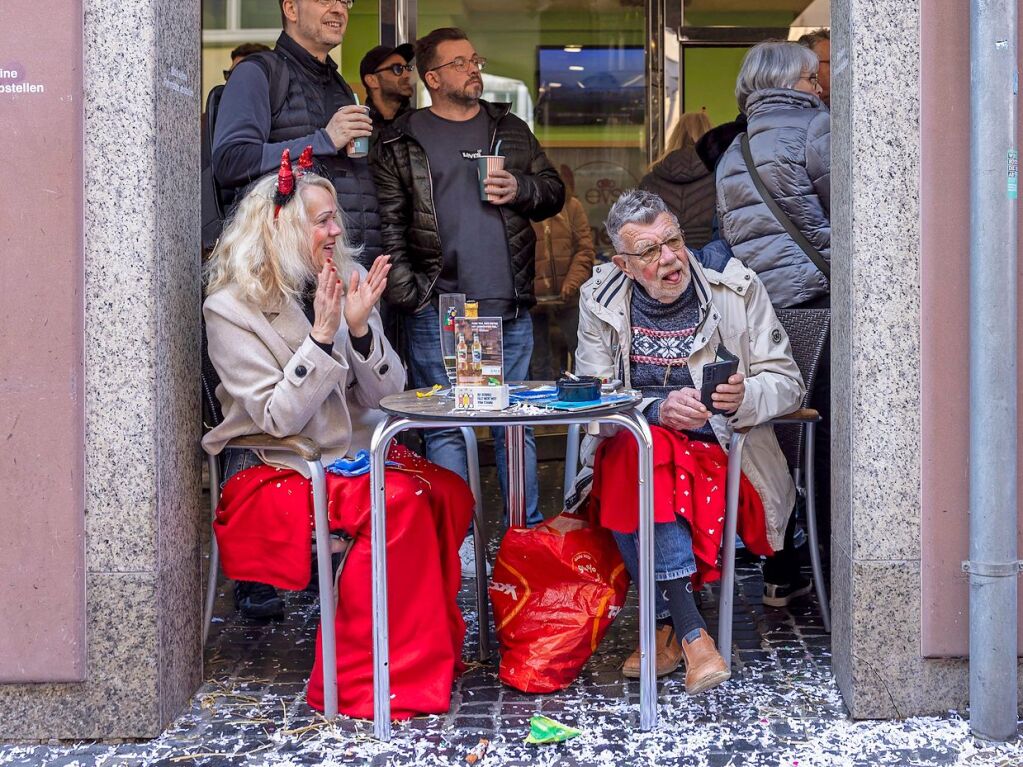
275,380
566,236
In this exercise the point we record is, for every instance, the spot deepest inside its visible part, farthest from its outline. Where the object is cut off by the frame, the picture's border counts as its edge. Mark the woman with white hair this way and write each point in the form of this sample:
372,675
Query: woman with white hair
790,141
300,351
782,230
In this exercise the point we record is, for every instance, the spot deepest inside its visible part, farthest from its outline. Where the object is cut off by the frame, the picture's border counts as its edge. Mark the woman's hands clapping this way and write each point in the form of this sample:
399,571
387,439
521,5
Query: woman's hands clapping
360,298
363,295
327,304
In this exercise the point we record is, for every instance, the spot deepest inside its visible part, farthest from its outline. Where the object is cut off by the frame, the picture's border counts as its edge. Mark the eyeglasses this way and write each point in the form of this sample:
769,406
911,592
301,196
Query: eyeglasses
395,69
329,4
461,64
812,79
675,242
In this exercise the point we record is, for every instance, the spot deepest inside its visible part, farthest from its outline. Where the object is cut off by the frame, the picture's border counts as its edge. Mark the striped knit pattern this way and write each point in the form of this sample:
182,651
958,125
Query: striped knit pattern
662,338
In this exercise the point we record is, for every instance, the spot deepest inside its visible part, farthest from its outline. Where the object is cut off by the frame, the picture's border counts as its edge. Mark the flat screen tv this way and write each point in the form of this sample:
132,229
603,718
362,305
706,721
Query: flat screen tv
590,85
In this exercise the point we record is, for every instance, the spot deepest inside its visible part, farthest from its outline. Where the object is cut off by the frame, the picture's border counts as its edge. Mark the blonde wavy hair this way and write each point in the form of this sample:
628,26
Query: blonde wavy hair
270,261
687,132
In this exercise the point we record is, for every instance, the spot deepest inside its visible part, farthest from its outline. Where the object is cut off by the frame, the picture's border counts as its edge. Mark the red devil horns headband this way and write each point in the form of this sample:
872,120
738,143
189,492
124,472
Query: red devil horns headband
286,177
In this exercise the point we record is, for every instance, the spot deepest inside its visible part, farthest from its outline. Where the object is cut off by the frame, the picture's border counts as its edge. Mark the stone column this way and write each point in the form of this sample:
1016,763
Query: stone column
875,65
879,92
141,393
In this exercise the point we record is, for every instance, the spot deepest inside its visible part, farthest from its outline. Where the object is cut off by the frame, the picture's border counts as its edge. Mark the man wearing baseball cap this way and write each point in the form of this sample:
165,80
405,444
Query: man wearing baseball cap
386,73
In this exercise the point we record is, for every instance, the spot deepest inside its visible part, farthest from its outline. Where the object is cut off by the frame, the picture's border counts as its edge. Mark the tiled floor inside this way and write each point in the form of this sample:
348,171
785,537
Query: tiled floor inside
781,706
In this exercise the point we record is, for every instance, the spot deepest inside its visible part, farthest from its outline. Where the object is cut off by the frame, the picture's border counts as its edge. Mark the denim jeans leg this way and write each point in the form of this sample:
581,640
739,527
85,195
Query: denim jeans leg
540,362
673,556
445,447
518,348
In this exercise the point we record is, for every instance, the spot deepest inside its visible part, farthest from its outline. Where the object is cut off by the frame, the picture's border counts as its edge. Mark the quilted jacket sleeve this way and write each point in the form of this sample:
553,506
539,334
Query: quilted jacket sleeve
818,157
395,202
541,191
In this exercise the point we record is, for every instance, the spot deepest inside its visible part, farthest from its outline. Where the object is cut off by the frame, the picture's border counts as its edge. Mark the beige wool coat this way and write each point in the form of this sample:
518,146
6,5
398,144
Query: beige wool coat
734,310
275,380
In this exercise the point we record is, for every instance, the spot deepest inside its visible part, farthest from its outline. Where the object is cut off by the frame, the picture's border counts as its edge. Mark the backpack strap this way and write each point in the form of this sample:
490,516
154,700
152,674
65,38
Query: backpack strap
793,231
275,66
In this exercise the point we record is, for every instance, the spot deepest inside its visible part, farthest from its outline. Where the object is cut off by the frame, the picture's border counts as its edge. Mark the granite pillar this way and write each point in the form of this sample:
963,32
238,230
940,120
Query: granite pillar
141,394
881,327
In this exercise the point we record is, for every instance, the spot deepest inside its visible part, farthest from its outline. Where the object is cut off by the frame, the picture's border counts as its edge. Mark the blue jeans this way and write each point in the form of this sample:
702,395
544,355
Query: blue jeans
673,556
446,447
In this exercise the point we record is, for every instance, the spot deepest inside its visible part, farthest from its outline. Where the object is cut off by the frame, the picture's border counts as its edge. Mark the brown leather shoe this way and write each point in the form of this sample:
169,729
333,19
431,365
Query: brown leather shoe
669,654
705,668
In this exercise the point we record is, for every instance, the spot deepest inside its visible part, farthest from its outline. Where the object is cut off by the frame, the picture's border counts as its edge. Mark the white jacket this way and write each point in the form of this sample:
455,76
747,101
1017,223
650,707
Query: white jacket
736,311
275,380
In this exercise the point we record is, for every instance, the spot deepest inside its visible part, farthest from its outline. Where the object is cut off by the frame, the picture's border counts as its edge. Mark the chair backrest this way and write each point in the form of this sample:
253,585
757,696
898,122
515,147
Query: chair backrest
809,333
211,413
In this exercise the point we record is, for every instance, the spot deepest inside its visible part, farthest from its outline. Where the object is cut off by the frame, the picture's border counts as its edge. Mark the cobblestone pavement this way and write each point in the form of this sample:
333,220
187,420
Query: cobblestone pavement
781,707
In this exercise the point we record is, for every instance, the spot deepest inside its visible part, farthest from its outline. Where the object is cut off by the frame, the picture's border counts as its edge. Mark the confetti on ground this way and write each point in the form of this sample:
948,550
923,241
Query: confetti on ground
780,709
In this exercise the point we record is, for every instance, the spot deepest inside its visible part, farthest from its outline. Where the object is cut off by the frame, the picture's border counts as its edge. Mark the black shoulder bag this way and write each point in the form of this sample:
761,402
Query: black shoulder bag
797,236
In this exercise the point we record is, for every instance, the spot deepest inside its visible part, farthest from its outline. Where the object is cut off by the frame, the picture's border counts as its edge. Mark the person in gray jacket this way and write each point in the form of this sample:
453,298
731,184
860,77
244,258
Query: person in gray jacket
790,140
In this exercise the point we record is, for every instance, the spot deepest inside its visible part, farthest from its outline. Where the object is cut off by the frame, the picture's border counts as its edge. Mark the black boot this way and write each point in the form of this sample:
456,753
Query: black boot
257,600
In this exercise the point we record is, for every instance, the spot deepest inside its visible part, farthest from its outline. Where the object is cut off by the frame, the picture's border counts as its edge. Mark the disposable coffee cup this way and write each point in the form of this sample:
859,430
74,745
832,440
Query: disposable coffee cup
486,165
359,147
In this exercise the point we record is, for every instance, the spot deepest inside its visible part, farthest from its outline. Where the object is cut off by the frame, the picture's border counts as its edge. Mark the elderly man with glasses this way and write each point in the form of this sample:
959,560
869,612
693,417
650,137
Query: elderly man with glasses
655,318
443,238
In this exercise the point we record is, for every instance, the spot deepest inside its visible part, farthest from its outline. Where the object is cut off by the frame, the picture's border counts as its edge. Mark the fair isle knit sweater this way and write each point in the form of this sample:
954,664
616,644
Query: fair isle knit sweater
662,338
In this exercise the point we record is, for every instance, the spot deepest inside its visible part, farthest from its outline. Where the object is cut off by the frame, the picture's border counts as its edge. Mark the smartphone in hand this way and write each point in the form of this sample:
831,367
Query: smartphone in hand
713,374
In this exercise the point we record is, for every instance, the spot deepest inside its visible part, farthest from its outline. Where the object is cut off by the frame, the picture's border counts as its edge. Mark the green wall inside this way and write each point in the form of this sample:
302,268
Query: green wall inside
710,81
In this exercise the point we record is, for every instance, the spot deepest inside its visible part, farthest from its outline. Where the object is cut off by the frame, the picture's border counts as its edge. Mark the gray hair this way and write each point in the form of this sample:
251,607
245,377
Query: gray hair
810,39
772,64
634,207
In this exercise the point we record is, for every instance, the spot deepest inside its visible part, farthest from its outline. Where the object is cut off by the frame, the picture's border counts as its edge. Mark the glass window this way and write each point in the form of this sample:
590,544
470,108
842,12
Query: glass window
214,14
574,71
260,14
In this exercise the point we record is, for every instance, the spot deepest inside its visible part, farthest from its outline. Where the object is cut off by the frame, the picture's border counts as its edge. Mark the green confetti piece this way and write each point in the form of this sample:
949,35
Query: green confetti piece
543,730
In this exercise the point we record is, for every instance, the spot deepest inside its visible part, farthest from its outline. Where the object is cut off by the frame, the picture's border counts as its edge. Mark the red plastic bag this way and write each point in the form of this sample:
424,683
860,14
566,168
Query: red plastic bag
556,589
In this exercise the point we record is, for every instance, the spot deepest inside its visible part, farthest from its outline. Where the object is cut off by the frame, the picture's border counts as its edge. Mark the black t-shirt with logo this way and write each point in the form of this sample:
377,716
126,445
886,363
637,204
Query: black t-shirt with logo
472,234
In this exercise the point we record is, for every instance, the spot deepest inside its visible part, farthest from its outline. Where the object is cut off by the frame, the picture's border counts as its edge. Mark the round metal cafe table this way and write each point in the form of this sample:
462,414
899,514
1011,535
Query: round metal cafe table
406,410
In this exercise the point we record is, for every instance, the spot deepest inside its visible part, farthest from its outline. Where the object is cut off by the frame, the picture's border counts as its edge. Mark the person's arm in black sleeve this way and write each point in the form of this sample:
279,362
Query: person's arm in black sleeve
395,204
541,192
363,345
242,151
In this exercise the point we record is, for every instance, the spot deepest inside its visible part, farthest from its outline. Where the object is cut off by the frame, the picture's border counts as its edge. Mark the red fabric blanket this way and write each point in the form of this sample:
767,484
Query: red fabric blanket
264,525
689,482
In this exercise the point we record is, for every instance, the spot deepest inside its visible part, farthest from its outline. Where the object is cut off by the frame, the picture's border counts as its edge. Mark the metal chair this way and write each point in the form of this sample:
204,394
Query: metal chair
309,451
808,331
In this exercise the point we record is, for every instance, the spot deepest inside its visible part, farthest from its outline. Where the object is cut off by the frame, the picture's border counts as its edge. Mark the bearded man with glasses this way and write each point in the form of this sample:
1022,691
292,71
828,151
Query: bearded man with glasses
290,98
443,238
654,318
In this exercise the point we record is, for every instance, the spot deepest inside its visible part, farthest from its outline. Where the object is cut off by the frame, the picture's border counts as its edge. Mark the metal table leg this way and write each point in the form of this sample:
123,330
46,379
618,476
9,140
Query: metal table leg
385,431
515,436
479,542
639,428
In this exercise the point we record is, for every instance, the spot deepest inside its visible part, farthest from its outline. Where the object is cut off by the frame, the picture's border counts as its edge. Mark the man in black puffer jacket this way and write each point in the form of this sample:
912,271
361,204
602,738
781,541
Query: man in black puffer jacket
293,97
443,239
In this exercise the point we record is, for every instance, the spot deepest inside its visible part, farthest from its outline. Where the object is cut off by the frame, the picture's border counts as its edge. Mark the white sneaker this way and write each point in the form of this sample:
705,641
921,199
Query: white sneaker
467,553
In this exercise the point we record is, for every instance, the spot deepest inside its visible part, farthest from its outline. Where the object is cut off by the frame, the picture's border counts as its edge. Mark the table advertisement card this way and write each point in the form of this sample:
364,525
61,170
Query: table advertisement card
479,364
